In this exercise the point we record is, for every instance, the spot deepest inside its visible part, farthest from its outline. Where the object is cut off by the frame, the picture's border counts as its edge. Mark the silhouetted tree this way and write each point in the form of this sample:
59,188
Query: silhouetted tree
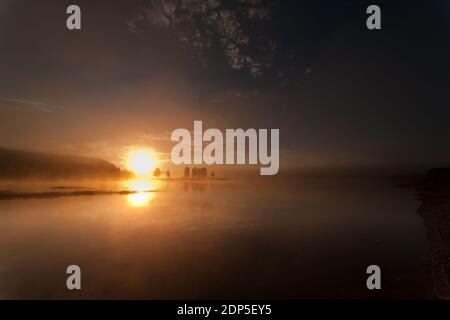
168,174
212,174
194,172
157,172
202,172
187,172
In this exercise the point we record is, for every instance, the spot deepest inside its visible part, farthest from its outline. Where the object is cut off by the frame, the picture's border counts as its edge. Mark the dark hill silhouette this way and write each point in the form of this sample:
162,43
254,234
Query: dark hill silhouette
15,164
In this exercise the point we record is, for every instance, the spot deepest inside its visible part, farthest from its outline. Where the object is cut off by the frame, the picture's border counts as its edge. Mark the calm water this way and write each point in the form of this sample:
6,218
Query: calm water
224,239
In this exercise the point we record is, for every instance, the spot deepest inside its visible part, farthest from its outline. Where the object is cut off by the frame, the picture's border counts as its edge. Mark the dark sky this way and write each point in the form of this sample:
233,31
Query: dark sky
341,95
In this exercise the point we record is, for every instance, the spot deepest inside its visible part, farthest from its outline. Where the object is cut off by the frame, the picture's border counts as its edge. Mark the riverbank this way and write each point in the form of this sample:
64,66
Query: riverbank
433,191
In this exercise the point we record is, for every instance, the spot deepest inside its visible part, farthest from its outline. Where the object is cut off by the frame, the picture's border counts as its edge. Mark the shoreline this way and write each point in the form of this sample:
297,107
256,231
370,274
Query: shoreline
433,192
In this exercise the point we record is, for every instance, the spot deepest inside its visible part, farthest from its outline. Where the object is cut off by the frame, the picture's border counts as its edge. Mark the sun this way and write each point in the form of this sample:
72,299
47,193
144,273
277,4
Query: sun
141,162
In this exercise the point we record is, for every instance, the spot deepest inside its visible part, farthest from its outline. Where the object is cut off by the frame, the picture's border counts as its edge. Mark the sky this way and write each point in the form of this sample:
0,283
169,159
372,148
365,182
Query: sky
340,94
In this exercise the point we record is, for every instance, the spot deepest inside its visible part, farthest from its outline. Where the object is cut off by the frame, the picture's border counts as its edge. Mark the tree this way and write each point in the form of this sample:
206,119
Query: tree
187,172
202,172
168,174
157,172
212,174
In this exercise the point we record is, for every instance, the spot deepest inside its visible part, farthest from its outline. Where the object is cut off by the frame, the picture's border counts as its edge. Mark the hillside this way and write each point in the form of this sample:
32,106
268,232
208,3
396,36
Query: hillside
15,164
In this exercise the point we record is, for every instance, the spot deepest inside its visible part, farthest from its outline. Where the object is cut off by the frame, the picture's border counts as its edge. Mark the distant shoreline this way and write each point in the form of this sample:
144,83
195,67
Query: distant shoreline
12,195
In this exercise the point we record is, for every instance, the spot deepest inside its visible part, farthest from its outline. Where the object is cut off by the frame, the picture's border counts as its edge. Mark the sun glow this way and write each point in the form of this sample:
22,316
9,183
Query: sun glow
141,162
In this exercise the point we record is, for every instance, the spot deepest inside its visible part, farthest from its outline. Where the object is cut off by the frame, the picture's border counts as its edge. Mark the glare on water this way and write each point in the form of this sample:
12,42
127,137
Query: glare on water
145,192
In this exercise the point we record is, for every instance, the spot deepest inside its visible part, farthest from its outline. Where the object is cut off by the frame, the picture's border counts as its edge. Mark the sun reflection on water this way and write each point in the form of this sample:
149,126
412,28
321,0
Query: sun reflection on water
144,192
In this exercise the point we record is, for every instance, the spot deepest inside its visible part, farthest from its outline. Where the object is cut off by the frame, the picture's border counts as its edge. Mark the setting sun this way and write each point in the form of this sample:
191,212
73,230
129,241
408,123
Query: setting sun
141,162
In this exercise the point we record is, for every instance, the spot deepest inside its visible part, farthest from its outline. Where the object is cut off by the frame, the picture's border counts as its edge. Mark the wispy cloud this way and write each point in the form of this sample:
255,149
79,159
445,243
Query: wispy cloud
211,23
308,70
20,104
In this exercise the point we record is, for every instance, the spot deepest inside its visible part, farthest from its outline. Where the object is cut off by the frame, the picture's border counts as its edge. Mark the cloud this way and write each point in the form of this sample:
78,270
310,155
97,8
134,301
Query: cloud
308,70
214,24
23,103
259,13
148,138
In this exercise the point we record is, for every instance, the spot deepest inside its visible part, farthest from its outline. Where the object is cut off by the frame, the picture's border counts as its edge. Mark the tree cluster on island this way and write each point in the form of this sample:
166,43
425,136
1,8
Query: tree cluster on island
188,173
157,173
197,173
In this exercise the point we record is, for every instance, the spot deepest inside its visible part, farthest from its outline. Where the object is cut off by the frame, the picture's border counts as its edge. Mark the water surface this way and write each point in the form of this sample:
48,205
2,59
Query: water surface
307,238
